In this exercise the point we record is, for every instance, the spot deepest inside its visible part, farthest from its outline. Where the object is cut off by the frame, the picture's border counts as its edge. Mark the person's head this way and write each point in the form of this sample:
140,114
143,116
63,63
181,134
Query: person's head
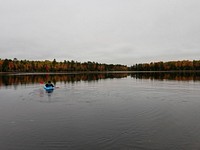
49,81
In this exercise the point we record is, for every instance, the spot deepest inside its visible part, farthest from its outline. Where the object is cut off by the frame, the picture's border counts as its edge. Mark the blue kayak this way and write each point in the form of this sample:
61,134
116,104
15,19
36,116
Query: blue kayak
49,88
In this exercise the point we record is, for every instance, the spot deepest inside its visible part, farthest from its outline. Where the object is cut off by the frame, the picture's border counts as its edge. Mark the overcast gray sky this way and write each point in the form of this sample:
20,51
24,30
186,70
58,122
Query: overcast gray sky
104,31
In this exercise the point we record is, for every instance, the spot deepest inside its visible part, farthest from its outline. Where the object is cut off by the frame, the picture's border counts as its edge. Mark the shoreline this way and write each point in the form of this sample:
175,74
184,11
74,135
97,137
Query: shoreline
97,72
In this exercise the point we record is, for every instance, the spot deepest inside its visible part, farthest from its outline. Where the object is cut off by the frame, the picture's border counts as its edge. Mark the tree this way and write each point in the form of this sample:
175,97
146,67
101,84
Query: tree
5,65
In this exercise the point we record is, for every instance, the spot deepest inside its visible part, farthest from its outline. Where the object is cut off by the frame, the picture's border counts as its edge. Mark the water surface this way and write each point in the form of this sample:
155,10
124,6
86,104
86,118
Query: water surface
100,111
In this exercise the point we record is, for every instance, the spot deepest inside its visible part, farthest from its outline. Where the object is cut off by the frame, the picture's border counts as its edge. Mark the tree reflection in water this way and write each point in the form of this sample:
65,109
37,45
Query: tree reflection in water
14,79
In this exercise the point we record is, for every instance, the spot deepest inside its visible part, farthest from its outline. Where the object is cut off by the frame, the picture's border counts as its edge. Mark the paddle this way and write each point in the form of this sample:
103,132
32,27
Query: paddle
41,82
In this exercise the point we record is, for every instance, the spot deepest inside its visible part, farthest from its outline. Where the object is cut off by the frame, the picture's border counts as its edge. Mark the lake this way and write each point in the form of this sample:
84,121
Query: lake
125,111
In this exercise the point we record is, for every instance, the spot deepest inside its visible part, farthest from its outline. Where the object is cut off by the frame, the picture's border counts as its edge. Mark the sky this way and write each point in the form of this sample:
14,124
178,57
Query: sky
105,31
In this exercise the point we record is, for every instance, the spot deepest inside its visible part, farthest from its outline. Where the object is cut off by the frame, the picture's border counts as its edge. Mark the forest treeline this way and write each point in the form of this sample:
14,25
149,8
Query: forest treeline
8,65
167,66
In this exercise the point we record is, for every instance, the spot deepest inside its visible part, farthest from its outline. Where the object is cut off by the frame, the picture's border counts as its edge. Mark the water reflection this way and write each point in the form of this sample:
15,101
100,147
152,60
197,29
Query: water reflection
38,95
12,79
179,76
66,78
47,93
108,114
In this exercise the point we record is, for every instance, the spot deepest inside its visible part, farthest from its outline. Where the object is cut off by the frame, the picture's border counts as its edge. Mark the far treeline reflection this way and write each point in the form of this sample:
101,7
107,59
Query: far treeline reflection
14,79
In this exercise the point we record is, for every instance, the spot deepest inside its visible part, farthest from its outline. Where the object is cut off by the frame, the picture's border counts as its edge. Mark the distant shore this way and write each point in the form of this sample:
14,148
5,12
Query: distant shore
96,72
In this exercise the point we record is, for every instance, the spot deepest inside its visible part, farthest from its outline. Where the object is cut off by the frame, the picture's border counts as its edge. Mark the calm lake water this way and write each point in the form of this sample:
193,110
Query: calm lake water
141,111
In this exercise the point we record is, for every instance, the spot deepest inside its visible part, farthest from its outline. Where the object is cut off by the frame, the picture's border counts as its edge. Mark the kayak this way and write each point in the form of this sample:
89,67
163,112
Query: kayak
49,88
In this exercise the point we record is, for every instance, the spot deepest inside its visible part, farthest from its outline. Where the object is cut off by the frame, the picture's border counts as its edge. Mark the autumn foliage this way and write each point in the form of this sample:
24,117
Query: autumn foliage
8,65
168,66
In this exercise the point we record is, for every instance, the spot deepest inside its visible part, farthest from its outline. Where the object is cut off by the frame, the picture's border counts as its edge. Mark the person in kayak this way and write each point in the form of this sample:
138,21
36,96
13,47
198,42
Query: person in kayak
49,84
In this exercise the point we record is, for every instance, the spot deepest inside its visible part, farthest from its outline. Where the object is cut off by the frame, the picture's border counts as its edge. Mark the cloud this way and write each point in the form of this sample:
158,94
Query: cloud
110,31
